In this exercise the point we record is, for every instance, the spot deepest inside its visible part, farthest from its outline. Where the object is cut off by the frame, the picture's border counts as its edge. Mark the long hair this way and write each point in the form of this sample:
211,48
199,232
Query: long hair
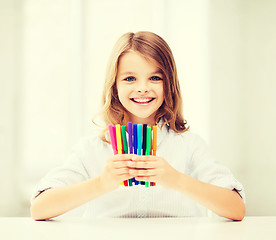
152,47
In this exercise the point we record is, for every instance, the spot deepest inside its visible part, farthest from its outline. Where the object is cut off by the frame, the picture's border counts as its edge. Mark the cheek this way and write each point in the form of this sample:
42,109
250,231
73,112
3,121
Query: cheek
120,97
122,94
119,90
161,92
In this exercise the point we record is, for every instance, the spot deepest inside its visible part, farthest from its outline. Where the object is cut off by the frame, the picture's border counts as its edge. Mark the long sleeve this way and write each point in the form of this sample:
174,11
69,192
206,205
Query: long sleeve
204,167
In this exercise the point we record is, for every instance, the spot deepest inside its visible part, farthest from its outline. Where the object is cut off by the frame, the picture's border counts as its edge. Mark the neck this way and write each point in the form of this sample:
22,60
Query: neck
148,121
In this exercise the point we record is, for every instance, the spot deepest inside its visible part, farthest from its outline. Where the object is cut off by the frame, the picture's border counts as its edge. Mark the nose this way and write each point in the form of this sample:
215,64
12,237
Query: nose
142,86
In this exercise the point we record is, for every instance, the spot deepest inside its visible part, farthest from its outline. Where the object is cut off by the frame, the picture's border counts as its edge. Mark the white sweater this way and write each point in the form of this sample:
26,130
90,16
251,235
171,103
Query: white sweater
186,152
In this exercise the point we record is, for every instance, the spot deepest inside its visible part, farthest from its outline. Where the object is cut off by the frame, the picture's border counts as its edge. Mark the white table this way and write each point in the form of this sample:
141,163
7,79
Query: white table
259,228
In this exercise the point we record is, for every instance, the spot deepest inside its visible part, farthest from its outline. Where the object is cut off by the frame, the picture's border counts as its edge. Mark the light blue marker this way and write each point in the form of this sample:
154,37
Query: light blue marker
139,140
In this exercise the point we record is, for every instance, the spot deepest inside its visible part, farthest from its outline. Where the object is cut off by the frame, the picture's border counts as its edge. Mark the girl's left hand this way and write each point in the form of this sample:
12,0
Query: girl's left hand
153,169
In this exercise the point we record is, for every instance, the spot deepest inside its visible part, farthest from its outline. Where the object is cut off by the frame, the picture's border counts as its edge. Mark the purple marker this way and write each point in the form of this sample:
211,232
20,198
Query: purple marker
130,143
130,146
135,144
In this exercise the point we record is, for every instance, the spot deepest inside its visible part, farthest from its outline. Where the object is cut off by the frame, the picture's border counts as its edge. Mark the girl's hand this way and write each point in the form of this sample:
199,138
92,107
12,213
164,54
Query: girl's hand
152,169
116,170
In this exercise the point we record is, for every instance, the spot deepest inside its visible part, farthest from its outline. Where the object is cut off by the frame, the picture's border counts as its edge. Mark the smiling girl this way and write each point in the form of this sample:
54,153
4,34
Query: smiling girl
141,86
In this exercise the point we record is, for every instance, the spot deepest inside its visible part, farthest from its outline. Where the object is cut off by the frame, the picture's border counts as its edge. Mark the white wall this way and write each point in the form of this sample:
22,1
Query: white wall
259,110
9,88
188,34
227,82
243,101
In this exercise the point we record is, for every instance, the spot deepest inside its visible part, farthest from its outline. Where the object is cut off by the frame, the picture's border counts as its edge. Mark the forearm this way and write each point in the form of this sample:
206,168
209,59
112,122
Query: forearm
56,201
222,201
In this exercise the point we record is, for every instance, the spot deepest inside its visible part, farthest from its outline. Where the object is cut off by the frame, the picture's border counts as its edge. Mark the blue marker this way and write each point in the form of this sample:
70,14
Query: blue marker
139,140
144,143
135,138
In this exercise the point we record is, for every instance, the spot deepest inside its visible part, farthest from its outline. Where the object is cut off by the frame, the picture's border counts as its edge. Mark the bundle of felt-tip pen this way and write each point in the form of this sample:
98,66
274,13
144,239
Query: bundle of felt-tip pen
142,140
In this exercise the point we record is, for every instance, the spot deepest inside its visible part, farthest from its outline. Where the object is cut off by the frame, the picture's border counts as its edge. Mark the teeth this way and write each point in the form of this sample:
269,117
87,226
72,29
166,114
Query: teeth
142,100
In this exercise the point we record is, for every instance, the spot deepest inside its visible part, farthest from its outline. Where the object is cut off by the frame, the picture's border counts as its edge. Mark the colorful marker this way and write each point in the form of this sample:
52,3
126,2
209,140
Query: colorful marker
139,140
135,132
154,140
112,139
148,148
119,139
144,143
120,144
130,142
135,138
130,147
154,145
144,138
125,147
115,138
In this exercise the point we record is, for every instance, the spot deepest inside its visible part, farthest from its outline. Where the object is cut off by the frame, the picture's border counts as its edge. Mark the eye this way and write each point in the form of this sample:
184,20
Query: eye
129,79
155,78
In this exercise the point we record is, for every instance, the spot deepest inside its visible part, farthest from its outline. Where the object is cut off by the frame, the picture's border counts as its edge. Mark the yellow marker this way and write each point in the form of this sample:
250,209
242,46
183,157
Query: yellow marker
119,139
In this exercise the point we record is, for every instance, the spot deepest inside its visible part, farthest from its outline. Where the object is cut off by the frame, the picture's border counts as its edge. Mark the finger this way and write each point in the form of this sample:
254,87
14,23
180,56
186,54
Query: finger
148,158
121,171
146,179
142,164
120,164
119,160
143,173
121,157
125,177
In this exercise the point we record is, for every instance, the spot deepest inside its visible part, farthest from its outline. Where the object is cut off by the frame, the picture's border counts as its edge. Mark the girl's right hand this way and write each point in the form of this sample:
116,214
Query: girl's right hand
116,171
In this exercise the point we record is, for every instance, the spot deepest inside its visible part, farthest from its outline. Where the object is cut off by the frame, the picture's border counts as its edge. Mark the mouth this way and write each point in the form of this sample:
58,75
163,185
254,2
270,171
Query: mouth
142,100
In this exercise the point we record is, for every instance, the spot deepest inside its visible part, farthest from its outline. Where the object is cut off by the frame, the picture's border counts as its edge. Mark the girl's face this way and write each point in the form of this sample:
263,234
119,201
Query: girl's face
140,87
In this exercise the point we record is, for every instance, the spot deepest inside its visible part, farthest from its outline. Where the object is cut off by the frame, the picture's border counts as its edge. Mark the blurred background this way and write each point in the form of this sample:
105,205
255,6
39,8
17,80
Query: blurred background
52,65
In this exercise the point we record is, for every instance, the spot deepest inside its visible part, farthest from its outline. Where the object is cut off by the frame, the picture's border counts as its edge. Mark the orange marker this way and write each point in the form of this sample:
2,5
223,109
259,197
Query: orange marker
154,140
154,145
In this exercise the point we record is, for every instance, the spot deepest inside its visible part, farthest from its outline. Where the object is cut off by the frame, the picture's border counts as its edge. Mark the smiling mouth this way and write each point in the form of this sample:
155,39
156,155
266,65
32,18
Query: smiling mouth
142,100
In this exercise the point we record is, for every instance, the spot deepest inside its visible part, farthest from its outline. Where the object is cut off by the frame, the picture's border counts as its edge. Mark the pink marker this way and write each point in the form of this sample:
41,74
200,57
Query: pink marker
112,138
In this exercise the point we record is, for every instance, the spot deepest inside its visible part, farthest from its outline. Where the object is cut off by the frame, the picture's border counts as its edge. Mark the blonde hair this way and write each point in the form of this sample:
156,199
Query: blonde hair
152,47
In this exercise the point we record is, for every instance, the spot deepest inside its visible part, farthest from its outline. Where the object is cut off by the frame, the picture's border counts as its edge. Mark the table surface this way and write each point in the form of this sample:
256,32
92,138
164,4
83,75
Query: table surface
138,228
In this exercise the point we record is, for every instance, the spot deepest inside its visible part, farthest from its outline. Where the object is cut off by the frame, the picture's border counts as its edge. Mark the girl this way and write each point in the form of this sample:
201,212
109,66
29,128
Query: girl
141,86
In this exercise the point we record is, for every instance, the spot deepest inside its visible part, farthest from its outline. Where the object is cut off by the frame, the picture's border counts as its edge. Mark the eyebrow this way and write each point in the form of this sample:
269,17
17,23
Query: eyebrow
133,73
127,73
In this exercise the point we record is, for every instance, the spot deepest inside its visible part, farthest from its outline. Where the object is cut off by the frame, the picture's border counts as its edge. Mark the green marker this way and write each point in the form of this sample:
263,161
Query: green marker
124,139
148,148
125,147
